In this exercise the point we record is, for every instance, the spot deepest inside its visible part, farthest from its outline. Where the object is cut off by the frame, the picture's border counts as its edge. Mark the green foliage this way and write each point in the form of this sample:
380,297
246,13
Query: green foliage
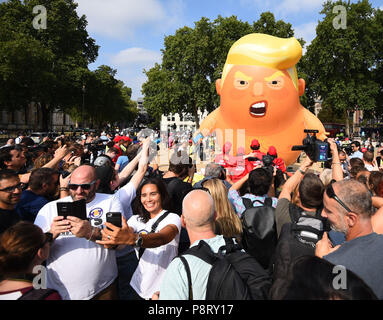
50,66
340,64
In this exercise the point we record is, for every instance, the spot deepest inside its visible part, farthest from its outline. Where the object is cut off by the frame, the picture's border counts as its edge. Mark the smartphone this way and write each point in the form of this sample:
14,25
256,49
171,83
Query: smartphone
322,151
74,209
114,218
65,174
197,138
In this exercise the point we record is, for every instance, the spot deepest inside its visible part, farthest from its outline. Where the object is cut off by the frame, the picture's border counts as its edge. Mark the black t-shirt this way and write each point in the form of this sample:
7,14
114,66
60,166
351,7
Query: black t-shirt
177,190
8,218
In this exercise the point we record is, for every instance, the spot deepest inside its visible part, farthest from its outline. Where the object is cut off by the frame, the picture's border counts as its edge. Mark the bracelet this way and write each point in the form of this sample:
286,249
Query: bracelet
335,163
301,171
91,234
64,189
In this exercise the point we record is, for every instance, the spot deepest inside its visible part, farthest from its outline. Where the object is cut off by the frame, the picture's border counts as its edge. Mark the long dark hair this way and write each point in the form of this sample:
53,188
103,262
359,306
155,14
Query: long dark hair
138,207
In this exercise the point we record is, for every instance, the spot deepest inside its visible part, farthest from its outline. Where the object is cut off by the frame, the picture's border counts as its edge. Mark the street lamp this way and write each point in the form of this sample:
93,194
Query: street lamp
83,102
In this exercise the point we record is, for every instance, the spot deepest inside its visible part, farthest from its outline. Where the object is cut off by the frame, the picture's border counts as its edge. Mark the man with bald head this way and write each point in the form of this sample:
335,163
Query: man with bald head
78,268
198,218
348,207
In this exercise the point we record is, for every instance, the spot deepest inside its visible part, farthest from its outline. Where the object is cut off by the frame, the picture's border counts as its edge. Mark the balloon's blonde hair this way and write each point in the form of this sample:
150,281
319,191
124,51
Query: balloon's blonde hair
258,49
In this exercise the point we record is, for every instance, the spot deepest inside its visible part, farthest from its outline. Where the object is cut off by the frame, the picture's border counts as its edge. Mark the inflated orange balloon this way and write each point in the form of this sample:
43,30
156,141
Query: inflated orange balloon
260,92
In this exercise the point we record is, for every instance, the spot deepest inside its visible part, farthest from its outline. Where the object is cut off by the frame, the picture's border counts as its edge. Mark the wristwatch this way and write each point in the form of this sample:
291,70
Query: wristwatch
139,241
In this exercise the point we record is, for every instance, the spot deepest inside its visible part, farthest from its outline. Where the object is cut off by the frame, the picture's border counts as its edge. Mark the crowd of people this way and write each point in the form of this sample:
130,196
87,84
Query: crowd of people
166,219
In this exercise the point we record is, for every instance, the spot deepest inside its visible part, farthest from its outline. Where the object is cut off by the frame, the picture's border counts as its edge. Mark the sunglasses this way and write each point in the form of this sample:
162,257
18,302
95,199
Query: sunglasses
204,189
11,189
84,186
331,194
48,238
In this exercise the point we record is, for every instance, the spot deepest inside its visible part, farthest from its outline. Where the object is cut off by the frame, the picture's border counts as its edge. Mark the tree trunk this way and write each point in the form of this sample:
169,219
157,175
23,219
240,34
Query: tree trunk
196,118
45,118
347,123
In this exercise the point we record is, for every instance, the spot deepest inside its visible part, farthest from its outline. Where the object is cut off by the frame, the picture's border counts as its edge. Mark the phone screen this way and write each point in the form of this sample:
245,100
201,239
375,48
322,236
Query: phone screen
114,218
197,138
74,209
323,150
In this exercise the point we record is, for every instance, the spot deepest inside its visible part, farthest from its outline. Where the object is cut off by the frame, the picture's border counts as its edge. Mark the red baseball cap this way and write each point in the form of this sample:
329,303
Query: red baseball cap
254,143
272,151
117,138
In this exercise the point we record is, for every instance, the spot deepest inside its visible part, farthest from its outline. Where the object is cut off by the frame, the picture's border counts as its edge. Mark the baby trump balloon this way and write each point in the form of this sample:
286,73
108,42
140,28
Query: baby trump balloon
259,92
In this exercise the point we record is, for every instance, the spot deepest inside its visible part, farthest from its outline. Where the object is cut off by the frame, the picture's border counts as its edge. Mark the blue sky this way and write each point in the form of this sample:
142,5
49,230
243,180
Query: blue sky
130,33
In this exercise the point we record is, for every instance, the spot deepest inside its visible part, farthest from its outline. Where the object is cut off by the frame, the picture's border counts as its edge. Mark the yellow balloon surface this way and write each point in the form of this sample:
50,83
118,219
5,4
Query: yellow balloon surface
260,92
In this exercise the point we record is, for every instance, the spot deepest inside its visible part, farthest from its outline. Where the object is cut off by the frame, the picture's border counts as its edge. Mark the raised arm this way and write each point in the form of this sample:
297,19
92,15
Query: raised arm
337,172
142,164
295,179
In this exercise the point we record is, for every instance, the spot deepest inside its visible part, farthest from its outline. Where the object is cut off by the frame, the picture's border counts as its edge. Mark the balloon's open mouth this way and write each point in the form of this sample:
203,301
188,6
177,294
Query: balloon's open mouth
258,109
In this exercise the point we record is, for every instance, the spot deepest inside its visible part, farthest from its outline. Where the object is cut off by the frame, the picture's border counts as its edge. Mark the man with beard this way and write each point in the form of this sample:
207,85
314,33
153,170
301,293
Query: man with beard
348,207
10,193
42,188
78,268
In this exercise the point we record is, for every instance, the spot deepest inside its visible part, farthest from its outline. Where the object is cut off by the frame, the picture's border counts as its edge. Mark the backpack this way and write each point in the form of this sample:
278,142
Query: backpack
260,236
37,294
235,275
297,238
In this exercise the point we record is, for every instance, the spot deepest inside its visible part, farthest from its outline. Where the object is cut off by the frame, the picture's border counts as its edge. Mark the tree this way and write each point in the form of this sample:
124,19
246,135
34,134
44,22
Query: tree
47,66
339,62
106,99
193,59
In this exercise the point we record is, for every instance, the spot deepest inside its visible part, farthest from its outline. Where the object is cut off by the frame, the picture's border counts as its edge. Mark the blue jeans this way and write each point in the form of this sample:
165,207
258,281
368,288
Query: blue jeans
126,265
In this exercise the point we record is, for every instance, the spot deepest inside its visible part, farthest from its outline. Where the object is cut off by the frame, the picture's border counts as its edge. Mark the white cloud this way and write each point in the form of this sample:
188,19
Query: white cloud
120,19
136,56
306,31
284,7
131,63
294,6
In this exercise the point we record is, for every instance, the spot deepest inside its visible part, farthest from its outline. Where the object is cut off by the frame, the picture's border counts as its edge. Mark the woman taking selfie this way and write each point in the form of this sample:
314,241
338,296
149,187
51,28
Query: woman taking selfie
153,231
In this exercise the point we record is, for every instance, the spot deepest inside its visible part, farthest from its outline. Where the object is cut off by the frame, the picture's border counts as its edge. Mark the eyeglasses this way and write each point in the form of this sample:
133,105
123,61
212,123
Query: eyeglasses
48,238
11,189
331,194
204,189
84,186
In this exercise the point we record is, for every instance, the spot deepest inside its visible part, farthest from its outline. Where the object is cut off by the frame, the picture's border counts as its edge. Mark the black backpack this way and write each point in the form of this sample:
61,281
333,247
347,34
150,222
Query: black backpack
297,238
37,294
235,275
260,236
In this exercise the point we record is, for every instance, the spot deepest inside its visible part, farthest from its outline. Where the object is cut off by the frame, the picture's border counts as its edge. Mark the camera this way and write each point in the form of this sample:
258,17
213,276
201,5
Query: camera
317,150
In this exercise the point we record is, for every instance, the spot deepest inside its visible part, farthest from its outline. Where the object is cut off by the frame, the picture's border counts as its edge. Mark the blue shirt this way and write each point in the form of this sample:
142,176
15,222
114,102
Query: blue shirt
174,285
238,204
357,154
123,162
29,205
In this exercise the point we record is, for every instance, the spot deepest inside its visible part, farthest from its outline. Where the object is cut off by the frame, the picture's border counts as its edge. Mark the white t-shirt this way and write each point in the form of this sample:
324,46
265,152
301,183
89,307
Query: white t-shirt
147,278
77,268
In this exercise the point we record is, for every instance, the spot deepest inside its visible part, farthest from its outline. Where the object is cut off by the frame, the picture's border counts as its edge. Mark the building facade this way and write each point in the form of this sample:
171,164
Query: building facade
180,122
31,120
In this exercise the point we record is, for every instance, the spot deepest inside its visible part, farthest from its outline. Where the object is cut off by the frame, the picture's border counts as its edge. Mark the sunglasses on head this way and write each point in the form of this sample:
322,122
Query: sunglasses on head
84,186
48,238
204,189
331,194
